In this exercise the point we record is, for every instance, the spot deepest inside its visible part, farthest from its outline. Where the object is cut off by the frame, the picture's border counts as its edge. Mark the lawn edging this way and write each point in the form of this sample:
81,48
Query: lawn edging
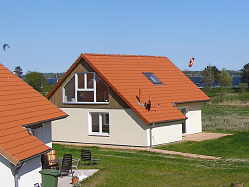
154,150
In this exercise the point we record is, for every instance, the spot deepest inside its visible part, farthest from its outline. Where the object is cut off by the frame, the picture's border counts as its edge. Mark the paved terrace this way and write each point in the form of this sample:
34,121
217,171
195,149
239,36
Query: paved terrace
66,181
198,137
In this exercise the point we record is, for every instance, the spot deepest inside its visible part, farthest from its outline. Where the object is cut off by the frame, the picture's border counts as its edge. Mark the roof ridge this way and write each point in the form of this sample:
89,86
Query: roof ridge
102,54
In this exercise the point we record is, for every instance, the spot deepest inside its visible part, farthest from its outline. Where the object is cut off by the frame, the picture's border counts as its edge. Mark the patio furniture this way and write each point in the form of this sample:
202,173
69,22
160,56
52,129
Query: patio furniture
86,157
68,164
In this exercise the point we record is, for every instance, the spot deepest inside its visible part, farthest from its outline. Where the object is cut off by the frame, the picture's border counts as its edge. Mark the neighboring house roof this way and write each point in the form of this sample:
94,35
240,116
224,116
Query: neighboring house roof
125,75
21,105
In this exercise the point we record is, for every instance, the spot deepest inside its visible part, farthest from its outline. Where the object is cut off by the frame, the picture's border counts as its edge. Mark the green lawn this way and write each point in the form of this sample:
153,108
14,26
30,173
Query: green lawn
235,146
133,168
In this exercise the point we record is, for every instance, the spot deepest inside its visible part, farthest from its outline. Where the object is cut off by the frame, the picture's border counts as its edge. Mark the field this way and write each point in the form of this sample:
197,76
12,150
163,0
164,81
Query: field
228,111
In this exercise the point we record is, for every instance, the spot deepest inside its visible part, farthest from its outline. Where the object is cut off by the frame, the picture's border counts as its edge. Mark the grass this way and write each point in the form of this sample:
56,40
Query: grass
225,118
230,147
133,168
212,109
212,92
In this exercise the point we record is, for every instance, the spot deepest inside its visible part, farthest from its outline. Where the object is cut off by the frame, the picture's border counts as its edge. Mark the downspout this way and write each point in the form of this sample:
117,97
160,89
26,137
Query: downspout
153,125
15,173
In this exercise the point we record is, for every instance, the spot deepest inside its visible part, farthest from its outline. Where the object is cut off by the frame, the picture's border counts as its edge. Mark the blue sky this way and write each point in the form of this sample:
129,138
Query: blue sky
48,36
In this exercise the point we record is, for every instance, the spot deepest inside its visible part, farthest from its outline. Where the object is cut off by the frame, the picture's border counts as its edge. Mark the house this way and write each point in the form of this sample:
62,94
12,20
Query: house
25,130
126,100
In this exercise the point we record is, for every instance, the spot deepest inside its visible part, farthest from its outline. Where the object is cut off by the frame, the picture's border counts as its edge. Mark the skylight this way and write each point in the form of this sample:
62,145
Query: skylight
152,77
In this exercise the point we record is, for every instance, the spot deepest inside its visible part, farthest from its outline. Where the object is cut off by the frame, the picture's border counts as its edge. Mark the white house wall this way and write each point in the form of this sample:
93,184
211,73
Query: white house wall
166,133
29,174
125,128
7,179
193,123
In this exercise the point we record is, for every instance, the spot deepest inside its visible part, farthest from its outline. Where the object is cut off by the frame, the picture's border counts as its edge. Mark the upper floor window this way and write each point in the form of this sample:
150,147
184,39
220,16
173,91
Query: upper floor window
86,88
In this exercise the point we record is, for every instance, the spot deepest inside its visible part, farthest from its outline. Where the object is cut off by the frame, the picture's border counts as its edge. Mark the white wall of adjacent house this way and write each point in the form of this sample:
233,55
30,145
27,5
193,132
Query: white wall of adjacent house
29,174
7,179
194,121
125,128
166,133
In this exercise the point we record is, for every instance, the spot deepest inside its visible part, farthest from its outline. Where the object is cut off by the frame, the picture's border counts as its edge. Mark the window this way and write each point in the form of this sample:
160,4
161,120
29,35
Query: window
70,91
152,78
99,123
85,88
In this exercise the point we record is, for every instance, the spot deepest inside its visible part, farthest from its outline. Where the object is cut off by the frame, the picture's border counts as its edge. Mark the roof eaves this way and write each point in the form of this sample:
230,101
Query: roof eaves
44,121
8,157
26,159
194,101
168,121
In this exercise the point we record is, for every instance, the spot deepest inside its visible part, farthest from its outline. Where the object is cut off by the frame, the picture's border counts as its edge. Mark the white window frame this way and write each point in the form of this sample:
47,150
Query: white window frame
82,89
100,133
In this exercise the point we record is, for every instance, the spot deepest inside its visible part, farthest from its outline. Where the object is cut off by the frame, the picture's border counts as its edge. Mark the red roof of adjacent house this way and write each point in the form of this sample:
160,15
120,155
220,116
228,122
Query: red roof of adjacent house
21,105
125,75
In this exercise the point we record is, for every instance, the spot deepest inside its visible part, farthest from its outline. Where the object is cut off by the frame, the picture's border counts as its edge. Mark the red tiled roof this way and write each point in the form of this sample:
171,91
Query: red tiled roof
21,105
124,74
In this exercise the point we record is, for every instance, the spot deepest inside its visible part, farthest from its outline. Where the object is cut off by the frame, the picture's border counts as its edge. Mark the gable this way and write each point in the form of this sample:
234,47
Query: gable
125,76
115,102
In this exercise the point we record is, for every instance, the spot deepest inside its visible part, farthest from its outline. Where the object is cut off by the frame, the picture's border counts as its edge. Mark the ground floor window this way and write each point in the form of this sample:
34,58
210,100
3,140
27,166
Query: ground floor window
99,123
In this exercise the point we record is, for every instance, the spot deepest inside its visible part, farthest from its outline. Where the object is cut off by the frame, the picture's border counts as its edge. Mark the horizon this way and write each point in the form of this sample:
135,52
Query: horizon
47,36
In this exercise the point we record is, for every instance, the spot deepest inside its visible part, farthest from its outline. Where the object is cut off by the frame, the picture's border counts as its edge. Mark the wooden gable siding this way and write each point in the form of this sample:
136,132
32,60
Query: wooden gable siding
115,101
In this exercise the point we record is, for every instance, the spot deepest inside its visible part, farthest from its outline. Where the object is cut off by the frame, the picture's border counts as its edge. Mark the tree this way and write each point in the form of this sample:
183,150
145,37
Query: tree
225,78
210,75
245,74
36,80
18,71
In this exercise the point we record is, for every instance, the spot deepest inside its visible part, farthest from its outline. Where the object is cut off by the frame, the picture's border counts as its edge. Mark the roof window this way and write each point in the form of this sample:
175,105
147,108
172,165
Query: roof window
152,77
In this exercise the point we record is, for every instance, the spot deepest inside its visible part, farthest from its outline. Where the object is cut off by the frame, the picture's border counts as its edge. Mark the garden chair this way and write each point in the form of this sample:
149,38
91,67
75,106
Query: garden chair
86,157
68,164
